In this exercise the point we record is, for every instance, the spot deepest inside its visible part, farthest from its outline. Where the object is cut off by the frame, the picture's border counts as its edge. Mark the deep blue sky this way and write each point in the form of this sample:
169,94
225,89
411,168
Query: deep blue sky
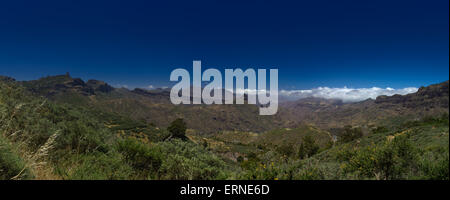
138,43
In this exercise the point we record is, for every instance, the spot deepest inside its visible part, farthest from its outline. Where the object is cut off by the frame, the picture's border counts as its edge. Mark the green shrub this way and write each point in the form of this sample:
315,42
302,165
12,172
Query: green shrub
10,163
308,147
348,134
178,129
98,166
188,161
285,149
82,137
380,129
311,173
146,160
434,165
391,160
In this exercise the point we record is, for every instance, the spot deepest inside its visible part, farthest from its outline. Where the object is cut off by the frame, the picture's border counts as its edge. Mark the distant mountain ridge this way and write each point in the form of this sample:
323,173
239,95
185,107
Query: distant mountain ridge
326,113
52,85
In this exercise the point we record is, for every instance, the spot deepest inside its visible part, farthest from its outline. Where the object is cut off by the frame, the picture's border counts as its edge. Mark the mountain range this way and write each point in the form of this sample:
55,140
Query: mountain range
154,106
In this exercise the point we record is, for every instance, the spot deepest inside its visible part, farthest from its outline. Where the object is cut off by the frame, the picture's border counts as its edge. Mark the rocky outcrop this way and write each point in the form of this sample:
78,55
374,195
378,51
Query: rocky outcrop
432,96
99,86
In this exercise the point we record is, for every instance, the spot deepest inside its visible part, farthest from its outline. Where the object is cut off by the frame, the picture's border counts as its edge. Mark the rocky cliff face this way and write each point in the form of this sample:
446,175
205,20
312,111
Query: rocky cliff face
99,86
433,96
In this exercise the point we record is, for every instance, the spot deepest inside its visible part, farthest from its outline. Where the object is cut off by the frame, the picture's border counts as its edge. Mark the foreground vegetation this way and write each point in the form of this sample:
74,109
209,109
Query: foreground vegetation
40,139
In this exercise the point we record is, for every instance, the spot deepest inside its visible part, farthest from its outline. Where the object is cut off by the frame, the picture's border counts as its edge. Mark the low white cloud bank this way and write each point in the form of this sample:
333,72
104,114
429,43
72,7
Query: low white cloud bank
345,94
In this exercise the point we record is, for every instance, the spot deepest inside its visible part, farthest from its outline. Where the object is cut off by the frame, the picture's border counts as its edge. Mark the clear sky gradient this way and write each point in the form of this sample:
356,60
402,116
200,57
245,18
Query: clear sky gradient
357,44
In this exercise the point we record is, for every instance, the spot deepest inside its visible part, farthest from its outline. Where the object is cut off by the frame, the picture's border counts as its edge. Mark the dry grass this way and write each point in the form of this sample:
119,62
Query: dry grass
37,162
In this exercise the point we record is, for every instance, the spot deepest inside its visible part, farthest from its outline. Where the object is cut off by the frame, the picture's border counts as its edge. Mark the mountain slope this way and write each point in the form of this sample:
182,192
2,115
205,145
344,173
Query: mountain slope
151,106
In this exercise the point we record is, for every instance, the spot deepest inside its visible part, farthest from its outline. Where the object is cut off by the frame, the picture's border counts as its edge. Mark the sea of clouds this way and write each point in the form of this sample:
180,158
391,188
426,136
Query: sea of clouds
345,94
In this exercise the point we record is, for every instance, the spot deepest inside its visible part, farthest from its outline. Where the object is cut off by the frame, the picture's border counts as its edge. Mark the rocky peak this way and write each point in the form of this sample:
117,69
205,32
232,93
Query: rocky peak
431,96
436,90
99,86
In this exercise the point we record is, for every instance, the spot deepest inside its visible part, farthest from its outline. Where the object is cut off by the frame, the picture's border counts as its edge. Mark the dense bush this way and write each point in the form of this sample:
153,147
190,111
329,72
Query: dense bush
146,160
178,129
286,150
189,161
434,164
308,147
268,166
82,136
11,164
97,166
391,160
310,173
348,134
